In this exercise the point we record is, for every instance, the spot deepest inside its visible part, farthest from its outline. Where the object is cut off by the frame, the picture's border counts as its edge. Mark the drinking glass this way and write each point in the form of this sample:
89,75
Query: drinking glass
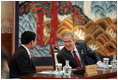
106,62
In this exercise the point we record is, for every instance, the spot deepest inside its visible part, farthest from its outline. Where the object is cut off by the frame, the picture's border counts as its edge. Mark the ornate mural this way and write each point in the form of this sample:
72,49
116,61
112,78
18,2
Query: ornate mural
92,21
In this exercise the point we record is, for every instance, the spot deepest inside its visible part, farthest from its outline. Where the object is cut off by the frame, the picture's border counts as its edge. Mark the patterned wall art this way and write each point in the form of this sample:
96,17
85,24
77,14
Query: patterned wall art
95,22
6,16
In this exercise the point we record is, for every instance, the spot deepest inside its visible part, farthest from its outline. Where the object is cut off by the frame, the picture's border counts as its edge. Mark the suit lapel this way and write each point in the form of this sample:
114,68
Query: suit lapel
26,53
80,53
73,60
69,53
79,50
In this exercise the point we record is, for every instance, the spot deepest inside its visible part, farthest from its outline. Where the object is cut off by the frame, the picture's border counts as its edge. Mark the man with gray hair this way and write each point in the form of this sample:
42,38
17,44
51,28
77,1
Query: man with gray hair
76,52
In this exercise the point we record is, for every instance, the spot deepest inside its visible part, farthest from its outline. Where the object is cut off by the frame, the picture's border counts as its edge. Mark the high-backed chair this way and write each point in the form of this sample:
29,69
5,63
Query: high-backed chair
55,58
55,50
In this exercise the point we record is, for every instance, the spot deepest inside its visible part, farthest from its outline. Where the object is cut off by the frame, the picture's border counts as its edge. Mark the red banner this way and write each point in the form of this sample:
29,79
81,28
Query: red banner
54,24
40,29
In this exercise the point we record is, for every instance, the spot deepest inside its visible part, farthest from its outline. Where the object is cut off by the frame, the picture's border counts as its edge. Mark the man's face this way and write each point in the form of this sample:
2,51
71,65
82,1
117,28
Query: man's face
69,43
33,43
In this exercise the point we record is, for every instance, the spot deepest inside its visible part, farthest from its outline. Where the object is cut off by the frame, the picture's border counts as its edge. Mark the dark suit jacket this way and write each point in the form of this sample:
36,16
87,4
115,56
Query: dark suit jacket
21,63
64,54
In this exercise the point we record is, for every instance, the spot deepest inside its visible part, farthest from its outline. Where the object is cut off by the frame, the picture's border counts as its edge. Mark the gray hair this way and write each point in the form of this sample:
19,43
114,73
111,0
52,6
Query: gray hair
70,34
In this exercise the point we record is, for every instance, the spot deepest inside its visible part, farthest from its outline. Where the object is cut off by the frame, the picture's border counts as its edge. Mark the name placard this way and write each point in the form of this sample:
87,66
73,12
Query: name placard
91,70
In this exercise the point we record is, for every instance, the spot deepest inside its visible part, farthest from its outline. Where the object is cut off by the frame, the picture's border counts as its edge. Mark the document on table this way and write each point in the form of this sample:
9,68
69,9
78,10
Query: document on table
47,72
51,72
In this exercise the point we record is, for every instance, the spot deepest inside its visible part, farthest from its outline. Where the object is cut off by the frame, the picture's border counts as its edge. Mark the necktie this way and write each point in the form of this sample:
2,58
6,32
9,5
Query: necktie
77,59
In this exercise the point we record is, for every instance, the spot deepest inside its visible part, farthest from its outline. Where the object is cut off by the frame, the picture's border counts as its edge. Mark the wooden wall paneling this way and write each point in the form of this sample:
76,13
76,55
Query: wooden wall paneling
6,42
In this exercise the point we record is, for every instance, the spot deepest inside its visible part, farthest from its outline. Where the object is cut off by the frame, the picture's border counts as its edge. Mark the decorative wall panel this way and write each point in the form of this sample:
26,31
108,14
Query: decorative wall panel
96,23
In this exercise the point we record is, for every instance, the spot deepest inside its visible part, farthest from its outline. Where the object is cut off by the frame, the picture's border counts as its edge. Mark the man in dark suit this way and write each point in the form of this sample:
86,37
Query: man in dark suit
21,62
76,52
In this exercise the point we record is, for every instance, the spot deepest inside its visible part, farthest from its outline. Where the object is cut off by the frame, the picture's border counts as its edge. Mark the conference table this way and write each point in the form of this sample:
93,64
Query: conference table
103,73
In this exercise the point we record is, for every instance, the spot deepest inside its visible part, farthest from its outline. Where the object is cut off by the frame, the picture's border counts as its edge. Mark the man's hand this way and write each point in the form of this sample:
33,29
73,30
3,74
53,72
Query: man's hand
100,64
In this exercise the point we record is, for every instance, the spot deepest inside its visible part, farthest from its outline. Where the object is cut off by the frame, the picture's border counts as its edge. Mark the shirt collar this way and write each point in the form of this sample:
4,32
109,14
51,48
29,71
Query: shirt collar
75,49
26,49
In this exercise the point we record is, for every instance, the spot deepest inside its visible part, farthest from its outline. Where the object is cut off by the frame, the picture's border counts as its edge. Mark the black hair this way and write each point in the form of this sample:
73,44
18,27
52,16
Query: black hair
4,56
27,36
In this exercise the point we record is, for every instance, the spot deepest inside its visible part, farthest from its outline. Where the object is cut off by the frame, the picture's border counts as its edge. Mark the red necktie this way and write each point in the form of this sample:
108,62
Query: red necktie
77,59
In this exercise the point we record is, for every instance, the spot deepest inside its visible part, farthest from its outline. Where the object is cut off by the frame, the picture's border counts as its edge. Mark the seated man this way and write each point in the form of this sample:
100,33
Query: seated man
76,54
21,62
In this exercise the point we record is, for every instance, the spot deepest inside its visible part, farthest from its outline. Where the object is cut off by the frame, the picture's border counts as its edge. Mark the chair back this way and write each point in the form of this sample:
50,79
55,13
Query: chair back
55,58
55,50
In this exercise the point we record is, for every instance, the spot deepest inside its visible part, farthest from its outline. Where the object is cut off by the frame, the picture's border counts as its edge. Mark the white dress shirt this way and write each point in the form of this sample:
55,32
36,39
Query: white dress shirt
77,53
